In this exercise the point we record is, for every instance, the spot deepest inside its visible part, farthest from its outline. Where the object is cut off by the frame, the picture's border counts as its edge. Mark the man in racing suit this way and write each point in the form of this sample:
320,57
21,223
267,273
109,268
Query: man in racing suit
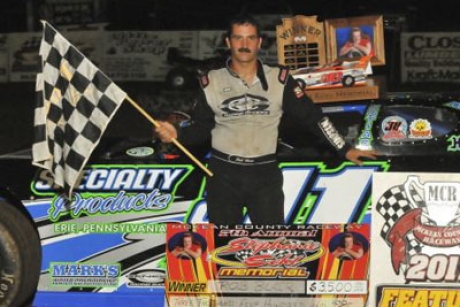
239,109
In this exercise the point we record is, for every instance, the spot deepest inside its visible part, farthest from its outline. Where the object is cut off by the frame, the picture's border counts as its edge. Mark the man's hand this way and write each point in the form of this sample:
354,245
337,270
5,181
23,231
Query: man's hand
166,132
355,155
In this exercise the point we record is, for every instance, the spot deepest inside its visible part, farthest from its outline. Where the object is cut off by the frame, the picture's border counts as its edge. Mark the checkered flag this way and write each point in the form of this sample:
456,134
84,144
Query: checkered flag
292,251
75,103
392,205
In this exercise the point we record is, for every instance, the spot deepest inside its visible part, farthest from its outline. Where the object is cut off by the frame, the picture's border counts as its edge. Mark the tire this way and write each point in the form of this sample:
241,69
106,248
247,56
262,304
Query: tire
348,81
20,257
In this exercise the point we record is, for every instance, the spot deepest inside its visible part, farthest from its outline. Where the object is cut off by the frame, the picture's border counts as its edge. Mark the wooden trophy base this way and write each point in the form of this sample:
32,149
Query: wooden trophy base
357,92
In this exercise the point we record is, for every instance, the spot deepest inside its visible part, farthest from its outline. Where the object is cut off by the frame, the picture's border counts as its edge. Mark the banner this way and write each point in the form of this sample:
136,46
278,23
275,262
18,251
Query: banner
125,55
267,265
430,57
23,56
415,240
142,55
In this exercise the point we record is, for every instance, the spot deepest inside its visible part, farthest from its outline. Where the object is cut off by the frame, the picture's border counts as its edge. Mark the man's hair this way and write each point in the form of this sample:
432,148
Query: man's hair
242,19
358,29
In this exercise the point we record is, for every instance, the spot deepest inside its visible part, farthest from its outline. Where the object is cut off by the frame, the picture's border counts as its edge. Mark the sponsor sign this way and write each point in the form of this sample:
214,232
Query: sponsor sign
223,265
23,60
430,57
23,50
142,55
416,240
85,274
116,216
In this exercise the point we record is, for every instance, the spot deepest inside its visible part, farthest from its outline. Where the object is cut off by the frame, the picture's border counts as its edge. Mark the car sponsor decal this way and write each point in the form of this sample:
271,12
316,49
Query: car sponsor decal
366,138
394,128
140,152
146,278
114,189
85,274
420,129
454,143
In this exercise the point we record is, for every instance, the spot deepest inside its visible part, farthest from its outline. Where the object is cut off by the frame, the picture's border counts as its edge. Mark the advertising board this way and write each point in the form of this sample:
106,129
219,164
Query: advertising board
415,246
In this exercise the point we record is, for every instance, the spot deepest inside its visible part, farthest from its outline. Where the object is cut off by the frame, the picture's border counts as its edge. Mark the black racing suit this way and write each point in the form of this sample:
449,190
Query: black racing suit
242,121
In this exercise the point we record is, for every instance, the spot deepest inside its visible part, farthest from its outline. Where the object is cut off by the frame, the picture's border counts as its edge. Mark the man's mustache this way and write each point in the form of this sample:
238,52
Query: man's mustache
244,50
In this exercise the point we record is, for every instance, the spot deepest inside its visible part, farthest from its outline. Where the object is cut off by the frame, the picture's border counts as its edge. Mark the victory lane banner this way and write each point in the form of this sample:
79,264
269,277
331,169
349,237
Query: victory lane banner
415,240
267,265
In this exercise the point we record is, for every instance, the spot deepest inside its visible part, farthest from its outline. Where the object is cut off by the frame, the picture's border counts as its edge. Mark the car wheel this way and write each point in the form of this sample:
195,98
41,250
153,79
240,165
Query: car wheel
180,79
20,257
348,81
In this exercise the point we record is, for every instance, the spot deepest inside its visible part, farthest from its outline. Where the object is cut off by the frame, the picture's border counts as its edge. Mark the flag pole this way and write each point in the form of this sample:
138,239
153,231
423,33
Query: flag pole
174,141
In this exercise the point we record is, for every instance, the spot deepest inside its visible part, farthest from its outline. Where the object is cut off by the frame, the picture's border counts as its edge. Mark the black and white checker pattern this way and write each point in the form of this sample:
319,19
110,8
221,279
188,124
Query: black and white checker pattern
392,205
242,255
75,103
293,251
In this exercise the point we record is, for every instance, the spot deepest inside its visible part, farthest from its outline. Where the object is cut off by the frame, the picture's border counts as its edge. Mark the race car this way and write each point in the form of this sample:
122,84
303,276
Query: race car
335,74
107,246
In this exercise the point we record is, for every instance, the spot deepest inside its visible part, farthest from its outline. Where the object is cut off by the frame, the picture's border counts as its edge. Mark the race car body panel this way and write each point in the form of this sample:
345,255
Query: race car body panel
109,239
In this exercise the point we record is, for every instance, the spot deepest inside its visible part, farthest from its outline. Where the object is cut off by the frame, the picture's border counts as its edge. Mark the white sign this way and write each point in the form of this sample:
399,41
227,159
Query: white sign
415,240
430,57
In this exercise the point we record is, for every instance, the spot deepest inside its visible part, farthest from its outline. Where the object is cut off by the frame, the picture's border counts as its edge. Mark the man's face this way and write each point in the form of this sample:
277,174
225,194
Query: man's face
244,43
187,242
348,242
356,36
